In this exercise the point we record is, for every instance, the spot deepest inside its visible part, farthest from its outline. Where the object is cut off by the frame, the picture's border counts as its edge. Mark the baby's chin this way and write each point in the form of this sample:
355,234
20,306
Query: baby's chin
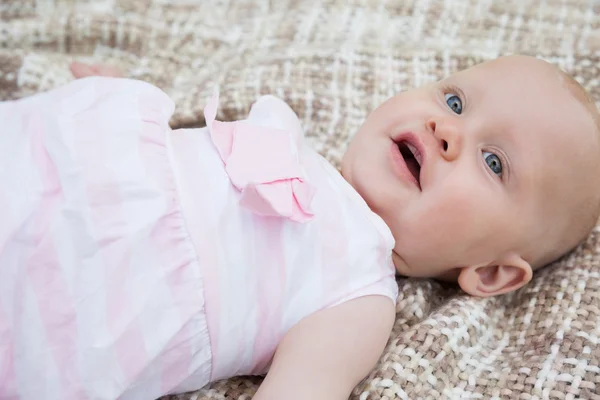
403,269
343,169
346,171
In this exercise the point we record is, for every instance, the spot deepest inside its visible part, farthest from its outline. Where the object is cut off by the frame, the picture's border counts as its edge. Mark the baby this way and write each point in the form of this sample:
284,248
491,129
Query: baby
138,261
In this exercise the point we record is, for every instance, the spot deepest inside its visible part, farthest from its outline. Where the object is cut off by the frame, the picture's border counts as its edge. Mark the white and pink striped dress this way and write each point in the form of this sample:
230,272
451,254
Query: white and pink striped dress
137,261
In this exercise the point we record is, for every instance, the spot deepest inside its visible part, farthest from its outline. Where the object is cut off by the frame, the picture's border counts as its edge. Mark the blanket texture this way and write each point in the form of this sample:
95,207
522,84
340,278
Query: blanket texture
333,61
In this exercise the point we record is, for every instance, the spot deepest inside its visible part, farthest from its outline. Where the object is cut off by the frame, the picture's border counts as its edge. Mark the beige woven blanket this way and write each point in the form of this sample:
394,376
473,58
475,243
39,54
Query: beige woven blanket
333,61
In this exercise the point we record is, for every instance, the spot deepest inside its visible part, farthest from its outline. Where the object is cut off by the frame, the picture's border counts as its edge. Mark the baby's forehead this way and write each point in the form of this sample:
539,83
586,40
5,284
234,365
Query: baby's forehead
562,143
559,129
522,90
515,67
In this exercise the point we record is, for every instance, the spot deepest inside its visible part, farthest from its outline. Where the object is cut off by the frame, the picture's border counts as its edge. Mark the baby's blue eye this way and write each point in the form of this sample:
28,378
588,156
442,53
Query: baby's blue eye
493,162
454,102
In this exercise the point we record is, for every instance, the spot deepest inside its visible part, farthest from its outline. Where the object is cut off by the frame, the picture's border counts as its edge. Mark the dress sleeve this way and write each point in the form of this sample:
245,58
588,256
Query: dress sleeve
386,287
273,112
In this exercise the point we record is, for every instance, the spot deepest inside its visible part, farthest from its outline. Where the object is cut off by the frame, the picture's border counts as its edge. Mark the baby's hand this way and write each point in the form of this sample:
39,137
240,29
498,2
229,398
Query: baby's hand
81,70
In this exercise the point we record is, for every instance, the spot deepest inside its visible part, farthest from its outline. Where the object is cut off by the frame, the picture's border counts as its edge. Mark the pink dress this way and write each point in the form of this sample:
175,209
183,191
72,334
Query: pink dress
137,261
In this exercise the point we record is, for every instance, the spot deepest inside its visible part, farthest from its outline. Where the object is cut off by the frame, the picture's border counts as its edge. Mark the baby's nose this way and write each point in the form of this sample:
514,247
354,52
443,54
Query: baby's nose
447,135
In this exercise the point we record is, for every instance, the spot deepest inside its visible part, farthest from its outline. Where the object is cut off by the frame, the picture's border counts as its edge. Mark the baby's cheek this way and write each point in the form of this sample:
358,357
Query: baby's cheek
453,202
456,209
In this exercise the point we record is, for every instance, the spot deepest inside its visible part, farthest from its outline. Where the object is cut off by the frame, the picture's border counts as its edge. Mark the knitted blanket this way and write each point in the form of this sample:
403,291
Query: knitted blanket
333,61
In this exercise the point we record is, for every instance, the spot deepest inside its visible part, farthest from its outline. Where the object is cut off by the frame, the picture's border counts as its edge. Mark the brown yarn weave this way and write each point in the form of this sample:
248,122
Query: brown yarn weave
333,61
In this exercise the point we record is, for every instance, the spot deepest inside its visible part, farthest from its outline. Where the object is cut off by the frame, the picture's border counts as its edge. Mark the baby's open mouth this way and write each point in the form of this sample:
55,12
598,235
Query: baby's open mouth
413,159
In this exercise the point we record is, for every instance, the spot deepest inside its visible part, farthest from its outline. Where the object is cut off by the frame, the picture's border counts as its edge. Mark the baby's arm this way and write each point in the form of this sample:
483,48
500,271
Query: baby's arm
327,354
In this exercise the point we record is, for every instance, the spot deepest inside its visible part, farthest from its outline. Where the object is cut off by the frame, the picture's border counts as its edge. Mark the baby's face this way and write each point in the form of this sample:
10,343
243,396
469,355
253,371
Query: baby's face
469,171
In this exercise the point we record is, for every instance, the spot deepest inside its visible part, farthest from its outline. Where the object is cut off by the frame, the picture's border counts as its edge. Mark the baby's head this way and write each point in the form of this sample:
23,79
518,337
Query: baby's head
484,176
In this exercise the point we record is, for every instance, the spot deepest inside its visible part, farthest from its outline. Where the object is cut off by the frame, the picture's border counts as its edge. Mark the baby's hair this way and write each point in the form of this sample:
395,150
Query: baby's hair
586,216
583,96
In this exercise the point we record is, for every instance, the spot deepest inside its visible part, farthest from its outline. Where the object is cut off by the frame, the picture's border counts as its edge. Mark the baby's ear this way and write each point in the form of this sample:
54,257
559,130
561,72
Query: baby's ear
508,274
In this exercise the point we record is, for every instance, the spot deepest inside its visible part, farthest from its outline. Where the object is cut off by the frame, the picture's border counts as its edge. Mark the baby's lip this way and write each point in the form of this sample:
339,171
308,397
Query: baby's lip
416,146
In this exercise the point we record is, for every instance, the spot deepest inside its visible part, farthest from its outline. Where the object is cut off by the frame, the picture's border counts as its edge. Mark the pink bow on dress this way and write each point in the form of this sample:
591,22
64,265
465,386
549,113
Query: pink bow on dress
263,164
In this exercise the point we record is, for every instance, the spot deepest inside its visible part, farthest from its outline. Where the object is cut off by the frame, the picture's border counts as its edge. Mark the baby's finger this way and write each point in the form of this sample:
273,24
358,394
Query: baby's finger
107,70
81,70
